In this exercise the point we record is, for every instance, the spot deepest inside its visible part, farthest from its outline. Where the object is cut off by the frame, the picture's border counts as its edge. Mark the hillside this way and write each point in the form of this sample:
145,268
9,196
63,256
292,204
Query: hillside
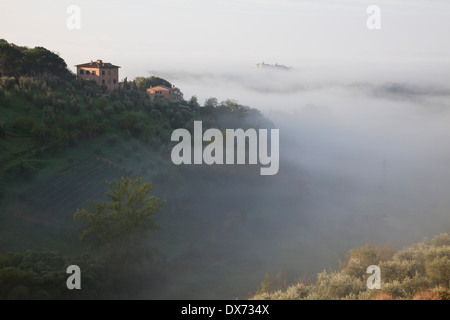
420,272
61,140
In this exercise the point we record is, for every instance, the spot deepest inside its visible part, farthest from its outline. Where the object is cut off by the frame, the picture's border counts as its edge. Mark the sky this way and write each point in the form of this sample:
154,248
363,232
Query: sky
143,36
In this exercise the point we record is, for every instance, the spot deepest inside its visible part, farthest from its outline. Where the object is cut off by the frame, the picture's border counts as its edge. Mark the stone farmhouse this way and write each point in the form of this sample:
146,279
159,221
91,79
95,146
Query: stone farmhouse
102,73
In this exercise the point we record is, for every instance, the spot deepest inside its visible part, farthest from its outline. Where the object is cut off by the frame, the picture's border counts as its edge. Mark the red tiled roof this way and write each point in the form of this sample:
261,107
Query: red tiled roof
97,64
156,88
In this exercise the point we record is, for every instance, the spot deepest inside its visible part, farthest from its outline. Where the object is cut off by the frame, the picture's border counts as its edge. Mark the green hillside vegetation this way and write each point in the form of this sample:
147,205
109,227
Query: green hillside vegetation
119,227
45,114
420,272
60,141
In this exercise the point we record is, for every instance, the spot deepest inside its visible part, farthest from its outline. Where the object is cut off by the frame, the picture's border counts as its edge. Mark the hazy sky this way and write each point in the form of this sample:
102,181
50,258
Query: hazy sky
184,34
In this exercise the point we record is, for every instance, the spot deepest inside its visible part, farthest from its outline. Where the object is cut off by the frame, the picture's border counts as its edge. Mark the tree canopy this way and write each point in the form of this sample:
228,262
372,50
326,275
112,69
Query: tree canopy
22,61
143,83
125,218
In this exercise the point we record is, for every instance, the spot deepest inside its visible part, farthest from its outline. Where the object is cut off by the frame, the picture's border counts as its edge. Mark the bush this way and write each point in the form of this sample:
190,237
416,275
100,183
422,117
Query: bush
118,107
418,272
109,112
39,100
396,270
98,115
8,83
155,114
48,116
74,107
102,103
41,275
39,132
395,289
437,266
440,240
24,124
335,286
4,98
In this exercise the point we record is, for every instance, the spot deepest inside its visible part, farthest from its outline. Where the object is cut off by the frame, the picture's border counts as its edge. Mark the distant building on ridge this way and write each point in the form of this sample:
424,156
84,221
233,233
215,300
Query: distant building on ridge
102,73
271,66
165,93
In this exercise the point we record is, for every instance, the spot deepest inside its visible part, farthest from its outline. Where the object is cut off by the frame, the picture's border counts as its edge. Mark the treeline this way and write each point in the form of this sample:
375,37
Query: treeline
420,272
42,275
47,110
18,61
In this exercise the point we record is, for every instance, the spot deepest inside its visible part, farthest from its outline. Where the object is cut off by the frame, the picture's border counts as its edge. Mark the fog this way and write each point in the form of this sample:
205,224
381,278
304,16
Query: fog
363,118
363,158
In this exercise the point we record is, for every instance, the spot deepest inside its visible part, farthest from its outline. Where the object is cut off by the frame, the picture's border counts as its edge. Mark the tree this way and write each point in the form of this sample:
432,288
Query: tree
193,102
39,61
143,83
123,221
211,102
9,59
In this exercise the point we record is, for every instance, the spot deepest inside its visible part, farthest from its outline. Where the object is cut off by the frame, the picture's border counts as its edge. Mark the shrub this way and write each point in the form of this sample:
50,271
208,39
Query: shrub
396,270
438,270
118,107
48,116
23,124
4,98
383,296
395,289
109,112
427,295
442,239
155,114
332,286
416,254
98,115
74,107
8,83
39,132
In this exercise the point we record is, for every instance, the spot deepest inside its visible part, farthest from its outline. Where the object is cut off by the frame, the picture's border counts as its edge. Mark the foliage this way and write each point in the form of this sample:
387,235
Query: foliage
9,58
265,286
421,272
37,61
211,102
143,83
125,218
42,275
